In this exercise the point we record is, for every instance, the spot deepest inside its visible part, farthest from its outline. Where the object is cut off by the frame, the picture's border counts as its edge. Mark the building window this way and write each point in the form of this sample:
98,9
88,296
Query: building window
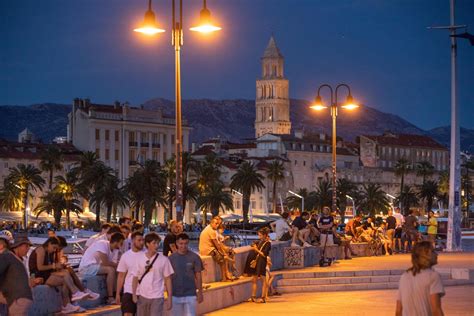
164,155
97,134
296,162
143,137
254,205
107,134
132,136
97,153
172,139
6,165
348,164
116,136
132,156
304,162
155,155
155,138
165,137
107,154
116,154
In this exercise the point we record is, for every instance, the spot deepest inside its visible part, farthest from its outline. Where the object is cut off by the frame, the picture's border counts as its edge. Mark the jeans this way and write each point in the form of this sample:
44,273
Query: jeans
184,306
148,307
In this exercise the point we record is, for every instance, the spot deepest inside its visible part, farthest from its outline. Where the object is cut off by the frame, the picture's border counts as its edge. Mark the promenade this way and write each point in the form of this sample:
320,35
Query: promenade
458,299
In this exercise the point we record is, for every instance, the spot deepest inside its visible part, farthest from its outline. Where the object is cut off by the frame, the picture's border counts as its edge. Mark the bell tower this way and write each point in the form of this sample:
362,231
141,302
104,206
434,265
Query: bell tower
272,102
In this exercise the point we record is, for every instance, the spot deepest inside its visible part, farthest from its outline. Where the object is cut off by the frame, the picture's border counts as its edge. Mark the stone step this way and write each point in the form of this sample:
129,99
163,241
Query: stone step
355,286
330,274
346,280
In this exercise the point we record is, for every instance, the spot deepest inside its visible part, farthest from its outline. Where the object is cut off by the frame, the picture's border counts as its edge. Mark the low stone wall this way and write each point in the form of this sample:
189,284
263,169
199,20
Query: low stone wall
47,301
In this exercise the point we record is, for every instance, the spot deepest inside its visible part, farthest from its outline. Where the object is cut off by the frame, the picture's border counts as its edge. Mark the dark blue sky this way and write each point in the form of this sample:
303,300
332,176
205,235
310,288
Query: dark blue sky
53,51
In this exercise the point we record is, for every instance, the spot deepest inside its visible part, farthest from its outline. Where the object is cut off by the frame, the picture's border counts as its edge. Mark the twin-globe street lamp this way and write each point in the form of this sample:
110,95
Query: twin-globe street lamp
348,105
150,27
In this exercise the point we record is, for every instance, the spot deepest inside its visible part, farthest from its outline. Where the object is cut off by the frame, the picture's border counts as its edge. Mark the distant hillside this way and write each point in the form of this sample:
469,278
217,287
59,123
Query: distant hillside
231,119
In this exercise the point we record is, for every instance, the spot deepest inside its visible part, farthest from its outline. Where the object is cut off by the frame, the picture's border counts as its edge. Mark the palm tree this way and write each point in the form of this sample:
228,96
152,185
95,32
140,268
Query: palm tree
10,197
112,196
402,167
55,202
25,178
468,165
95,178
294,202
133,188
245,180
214,199
428,191
407,198
68,186
275,173
206,174
424,169
374,198
51,160
324,194
153,182
443,187
344,187
189,190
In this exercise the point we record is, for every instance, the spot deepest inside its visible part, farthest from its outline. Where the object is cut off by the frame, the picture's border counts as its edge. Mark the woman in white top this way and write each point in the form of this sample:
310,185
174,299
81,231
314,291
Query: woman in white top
420,289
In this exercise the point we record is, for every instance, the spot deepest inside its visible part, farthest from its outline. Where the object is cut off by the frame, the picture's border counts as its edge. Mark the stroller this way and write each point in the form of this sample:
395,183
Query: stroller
324,261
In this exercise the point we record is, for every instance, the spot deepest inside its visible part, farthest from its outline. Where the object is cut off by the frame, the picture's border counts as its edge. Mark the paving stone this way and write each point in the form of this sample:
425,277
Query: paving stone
344,273
363,273
381,272
380,278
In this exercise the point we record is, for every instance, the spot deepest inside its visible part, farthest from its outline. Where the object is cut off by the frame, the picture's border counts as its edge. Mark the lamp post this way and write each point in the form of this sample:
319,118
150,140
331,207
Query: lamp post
150,27
318,106
354,211
301,197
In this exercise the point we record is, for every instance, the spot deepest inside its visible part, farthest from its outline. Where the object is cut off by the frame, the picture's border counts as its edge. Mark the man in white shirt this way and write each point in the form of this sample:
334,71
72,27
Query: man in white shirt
98,260
398,230
282,228
125,277
100,236
151,274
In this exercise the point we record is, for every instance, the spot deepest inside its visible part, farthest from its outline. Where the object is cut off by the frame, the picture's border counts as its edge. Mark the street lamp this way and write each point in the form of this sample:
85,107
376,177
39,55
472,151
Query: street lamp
150,27
354,211
301,197
319,106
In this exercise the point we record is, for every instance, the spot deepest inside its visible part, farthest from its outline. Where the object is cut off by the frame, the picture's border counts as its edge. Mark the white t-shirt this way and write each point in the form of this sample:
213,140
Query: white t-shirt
281,227
153,284
400,219
205,240
91,256
95,238
127,265
414,291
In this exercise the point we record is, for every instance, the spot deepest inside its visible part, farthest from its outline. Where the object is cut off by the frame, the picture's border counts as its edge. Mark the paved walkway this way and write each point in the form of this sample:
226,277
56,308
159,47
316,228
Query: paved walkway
458,301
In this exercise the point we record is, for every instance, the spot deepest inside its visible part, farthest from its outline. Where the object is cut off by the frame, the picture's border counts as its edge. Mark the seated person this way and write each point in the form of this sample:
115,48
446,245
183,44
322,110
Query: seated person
282,228
301,230
382,235
98,260
351,227
209,245
43,263
100,236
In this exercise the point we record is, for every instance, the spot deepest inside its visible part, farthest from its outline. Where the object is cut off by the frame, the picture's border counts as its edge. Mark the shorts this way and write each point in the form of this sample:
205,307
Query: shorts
128,306
285,237
398,233
390,234
217,256
411,235
329,237
90,270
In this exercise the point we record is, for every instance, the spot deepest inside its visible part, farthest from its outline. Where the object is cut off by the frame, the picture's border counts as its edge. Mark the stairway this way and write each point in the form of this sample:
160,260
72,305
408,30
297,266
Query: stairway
350,281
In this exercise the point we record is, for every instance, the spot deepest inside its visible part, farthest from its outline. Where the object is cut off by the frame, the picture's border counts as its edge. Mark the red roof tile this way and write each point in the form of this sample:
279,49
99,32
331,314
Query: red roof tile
203,151
406,140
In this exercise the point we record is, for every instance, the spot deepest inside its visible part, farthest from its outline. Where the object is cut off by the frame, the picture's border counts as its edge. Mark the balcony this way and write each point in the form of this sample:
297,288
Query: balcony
132,163
144,144
132,144
156,145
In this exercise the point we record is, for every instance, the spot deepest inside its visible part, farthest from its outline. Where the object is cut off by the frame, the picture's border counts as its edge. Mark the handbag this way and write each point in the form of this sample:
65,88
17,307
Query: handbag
253,263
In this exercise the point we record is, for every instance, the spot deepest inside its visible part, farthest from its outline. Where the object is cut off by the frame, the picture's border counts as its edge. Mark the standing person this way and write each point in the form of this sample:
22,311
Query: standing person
420,288
125,278
391,226
125,220
258,266
15,286
411,232
325,225
432,228
151,274
187,279
282,228
127,243
98,260
209,245
398,230
169,244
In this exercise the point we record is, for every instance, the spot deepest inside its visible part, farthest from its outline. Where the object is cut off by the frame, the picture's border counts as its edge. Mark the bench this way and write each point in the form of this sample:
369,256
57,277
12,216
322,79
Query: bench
98,285
47,301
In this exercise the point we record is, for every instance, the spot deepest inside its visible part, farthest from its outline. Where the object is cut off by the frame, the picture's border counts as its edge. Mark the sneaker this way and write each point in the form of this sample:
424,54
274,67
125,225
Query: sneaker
80,308
111,301
79,296
293,244
92,295
69,309
306,245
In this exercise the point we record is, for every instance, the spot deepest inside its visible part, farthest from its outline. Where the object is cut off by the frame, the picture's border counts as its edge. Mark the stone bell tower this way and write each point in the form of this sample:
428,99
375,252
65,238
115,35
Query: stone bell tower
272,102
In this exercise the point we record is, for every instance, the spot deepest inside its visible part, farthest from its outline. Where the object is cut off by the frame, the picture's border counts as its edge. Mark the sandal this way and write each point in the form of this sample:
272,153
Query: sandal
263,300
252,299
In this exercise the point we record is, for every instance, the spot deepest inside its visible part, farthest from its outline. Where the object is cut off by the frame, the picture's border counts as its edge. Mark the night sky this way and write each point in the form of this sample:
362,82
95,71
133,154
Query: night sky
54,51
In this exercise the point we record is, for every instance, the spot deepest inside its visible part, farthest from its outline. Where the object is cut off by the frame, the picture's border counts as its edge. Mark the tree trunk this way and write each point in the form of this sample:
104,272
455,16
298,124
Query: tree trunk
97,215
274,198
245,207
109,212
148,213
137,213
25,212
50,180
204,216
170,208
401,192
68,219
57,218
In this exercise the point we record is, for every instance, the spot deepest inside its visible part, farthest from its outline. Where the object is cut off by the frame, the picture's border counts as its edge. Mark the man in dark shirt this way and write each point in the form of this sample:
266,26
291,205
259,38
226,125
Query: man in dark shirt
325,224
410,229
391,225
169,244
301,230
186,280
14,282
